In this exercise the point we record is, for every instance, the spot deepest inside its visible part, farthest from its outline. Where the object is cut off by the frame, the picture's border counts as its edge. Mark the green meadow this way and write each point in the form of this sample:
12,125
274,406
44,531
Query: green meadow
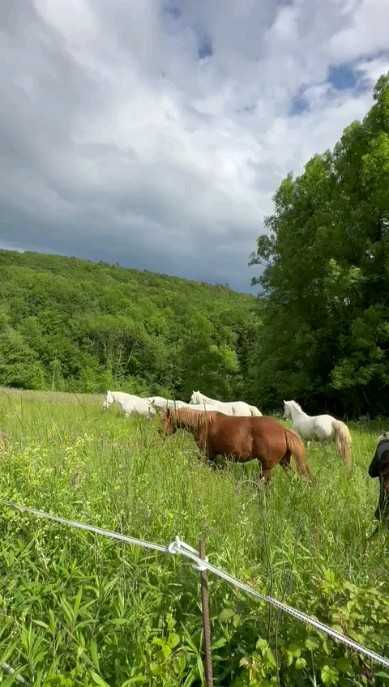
77,609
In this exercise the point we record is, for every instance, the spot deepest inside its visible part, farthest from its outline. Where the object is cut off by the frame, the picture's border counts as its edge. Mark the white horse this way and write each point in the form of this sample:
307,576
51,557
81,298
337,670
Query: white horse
129,403
201,407
320,428
239,408
161,403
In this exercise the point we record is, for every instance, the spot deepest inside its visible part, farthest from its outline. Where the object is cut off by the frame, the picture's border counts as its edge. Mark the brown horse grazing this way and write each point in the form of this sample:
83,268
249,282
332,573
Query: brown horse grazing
241,438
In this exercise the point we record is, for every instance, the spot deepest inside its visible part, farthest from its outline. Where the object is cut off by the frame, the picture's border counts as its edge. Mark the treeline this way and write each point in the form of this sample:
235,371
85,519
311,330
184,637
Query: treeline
68,324
325,338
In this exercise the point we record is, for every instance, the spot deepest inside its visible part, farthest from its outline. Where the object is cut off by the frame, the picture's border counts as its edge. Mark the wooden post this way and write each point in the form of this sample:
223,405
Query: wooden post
207,651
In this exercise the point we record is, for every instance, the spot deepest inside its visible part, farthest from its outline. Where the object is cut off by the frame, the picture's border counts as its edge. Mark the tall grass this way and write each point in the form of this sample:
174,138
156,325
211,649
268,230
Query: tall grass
79,610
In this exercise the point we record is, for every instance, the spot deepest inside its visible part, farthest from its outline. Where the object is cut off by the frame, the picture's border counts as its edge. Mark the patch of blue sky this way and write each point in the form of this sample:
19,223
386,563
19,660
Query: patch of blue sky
340,77
343,76
298,104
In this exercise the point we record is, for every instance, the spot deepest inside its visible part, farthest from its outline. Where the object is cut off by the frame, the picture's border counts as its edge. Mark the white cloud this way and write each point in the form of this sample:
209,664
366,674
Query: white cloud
371,70
156,133
366,31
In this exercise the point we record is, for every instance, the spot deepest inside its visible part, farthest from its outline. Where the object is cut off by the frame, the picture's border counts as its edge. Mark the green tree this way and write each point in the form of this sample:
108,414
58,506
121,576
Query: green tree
19,364
326,275
206,363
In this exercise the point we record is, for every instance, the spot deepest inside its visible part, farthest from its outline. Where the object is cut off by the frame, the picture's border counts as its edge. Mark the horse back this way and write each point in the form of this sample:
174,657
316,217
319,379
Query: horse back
254,423
247,435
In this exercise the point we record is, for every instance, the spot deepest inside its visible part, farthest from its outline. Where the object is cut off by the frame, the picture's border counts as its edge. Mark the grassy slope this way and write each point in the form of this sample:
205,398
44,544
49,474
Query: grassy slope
80,607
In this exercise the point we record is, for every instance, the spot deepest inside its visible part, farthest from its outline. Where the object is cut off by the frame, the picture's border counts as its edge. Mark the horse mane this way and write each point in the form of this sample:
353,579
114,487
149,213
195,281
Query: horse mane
196,419
296,405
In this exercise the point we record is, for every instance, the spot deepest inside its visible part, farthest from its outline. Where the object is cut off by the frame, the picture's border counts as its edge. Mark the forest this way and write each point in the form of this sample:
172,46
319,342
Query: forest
325,335
72,325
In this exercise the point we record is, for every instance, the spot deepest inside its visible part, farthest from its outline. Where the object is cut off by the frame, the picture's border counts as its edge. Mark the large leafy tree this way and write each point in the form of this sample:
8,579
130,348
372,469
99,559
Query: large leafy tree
326,277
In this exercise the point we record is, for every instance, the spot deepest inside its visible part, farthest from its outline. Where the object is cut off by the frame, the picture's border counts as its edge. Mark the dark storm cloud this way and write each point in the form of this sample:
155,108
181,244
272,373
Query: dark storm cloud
154,136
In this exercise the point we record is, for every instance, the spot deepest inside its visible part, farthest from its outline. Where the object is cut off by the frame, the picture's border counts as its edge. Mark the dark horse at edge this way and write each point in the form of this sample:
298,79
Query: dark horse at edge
379,468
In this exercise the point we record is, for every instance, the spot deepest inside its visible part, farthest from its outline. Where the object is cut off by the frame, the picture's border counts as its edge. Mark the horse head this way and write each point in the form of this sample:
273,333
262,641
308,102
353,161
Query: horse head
195,398
287,412
289,407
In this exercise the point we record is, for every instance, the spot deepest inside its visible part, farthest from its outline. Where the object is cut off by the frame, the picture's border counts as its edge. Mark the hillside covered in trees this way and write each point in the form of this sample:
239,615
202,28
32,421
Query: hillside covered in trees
69,324
326,280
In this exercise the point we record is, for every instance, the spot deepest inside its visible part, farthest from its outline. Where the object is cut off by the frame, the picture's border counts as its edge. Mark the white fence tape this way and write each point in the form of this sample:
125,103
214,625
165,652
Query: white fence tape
180,547
88,528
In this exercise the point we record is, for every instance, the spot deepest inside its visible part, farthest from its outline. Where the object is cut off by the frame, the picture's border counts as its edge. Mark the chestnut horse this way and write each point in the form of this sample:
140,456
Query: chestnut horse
240,438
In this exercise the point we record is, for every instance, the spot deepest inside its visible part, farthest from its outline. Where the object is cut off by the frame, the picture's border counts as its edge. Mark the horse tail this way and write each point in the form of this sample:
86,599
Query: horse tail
343,441
297,449
255,412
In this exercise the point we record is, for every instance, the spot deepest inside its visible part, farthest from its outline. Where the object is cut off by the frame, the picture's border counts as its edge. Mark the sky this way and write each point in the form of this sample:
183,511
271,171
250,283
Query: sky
154,133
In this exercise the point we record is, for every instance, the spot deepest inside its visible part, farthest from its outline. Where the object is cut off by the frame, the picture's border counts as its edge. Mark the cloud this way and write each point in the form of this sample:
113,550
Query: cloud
156,133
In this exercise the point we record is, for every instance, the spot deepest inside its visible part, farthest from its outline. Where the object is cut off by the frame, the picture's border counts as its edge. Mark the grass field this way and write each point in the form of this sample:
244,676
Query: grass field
81,610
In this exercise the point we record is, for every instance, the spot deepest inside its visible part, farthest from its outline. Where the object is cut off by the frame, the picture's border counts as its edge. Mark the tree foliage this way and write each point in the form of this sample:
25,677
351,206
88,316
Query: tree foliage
74,325
326,278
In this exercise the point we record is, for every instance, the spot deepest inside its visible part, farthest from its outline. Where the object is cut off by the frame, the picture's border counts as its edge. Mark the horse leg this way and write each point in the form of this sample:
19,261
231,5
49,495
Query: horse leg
382,510
203,455
208,456
285,461
214,464
265,476
202,443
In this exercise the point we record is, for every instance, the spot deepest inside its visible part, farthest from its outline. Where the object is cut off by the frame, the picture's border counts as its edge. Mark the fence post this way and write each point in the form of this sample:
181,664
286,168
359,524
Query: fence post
207,658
